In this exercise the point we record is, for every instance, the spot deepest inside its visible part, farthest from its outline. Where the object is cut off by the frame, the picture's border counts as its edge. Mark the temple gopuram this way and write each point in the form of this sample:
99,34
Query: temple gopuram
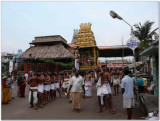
87,48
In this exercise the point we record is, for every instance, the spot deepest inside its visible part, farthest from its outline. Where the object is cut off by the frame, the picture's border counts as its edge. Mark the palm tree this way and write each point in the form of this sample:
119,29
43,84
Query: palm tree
144,33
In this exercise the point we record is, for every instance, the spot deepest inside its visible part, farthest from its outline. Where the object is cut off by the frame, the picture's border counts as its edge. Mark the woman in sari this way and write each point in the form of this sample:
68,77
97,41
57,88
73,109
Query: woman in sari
22,87
5,91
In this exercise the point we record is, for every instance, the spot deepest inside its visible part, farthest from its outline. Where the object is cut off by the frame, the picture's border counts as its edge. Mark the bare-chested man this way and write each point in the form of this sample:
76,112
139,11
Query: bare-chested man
97,81
105,79
116,81
121,74
40,89
57,84
52,87
92,78
88,85
111,71
46,88
33,100
66,83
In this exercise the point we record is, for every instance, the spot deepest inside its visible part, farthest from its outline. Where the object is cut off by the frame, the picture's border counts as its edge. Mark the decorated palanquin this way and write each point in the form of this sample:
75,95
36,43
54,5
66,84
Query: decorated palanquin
87,48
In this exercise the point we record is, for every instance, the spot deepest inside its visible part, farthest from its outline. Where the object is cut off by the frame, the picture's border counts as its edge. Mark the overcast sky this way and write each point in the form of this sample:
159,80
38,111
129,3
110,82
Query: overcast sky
22,21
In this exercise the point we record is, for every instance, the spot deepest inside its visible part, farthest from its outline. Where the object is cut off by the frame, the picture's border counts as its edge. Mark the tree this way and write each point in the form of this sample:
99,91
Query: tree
144,33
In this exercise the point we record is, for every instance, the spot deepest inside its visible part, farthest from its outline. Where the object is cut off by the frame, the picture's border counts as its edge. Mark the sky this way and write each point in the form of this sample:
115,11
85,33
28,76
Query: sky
22,21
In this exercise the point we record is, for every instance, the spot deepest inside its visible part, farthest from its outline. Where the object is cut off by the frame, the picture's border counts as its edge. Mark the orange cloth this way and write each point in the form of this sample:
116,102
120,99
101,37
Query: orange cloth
6,93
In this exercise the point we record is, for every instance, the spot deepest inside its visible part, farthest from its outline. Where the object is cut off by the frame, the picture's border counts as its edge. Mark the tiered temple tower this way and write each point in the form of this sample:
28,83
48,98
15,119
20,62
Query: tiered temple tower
87,47
85,36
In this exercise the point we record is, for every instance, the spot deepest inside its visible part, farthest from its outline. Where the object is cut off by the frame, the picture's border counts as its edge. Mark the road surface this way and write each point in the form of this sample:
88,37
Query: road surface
61,109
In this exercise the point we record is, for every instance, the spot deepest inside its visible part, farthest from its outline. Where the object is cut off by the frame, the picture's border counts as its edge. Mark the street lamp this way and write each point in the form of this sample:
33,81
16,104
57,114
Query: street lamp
115,15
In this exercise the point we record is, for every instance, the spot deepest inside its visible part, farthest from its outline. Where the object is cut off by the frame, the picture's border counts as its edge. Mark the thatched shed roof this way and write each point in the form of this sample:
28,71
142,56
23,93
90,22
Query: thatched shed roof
49,39
57,51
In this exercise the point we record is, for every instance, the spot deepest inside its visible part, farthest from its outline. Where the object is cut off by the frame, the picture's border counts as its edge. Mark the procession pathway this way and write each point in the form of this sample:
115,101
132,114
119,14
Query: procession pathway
61,109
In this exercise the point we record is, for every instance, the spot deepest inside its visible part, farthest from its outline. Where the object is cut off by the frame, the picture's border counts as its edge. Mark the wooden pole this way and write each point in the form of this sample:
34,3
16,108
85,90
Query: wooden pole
122,52
24,68
13,66
31,66
94,56
55,67
27,67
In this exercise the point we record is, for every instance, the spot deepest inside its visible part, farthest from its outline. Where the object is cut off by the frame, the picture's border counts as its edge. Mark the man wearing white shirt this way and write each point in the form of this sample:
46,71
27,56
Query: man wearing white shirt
27,76
128,92
77,85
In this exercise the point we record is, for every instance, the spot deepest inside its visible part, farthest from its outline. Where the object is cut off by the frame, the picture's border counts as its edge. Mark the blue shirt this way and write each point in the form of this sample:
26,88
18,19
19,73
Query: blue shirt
9,80
139,81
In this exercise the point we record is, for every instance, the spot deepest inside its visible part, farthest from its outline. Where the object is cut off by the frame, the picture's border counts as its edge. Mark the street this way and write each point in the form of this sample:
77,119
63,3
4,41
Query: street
62,109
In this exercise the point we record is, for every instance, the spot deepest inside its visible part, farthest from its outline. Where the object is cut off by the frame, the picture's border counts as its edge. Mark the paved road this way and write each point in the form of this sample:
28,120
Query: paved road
61,109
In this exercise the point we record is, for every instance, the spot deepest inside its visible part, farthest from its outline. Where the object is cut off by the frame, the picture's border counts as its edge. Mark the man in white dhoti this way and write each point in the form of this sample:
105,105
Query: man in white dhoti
92,79
116,81
77,57
65,84
102,91
106,78
47,88
52,87
57,84
40,89
33,90
88,85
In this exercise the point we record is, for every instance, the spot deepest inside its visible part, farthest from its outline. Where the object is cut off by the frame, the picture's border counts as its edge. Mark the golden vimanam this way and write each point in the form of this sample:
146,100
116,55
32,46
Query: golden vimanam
87,47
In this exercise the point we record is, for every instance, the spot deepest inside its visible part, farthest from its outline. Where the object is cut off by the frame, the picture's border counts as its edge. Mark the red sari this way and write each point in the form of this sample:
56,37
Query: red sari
22,89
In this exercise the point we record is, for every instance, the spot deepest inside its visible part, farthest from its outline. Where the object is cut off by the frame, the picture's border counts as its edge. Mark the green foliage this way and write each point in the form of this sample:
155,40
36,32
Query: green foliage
5,67
144,33
65,65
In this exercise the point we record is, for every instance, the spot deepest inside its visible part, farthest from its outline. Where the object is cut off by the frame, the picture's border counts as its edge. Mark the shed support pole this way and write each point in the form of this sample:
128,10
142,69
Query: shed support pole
24,68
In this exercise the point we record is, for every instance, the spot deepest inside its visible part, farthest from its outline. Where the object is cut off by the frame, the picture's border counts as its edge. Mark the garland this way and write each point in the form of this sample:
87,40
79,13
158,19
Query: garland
71,64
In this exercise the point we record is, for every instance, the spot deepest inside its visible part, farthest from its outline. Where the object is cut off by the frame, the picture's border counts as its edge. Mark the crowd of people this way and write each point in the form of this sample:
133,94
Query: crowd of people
75,86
